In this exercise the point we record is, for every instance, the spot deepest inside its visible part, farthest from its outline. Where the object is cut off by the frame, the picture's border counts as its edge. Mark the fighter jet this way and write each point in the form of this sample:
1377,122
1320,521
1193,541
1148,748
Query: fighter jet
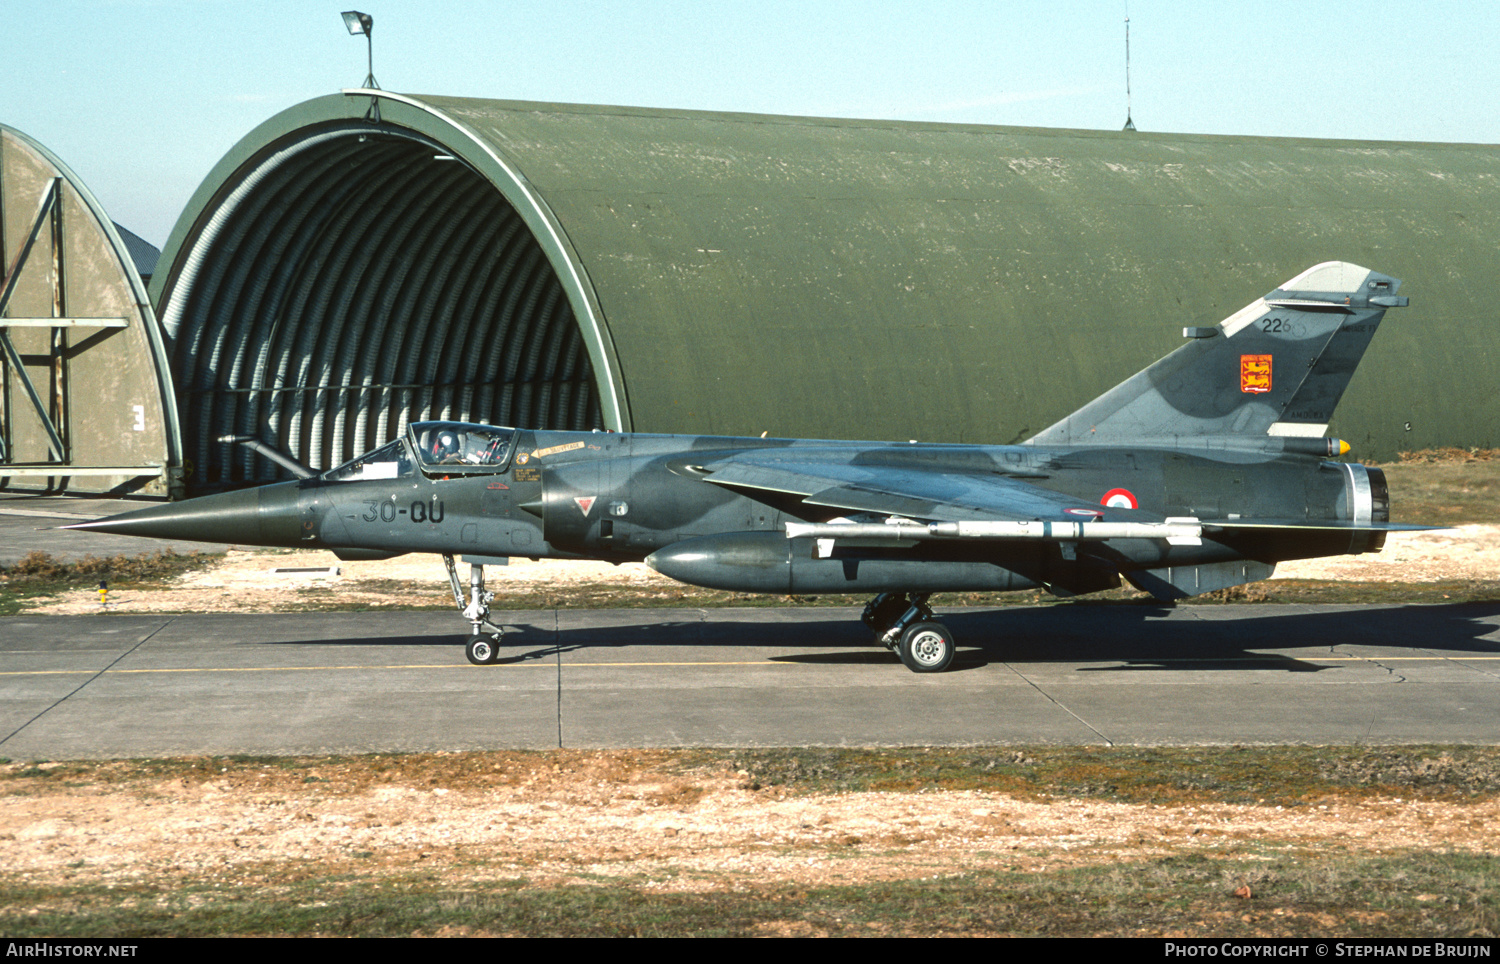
1199,473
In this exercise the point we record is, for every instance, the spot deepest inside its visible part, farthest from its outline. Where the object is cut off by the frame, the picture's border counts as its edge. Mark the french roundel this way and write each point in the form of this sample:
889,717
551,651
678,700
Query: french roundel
1119,499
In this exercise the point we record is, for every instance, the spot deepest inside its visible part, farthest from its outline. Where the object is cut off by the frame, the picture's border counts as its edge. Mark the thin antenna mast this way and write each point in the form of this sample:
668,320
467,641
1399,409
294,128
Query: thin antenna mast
1129,124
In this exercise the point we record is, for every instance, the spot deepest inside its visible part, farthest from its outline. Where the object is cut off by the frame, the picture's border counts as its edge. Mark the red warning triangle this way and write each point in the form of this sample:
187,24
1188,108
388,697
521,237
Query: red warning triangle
585,502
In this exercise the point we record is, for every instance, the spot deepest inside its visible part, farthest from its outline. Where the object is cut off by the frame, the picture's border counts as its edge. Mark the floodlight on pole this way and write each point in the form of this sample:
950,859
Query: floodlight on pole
1129,122
363,23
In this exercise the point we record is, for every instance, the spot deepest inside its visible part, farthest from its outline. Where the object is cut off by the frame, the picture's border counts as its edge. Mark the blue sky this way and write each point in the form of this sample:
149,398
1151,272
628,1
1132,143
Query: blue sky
142,97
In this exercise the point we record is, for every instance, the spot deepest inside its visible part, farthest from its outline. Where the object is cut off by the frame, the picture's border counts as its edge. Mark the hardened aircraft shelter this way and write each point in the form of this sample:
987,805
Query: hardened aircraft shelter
86,400
368,259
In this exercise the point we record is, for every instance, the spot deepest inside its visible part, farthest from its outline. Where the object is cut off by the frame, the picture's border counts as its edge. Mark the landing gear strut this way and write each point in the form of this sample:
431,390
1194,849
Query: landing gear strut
903,624
483,647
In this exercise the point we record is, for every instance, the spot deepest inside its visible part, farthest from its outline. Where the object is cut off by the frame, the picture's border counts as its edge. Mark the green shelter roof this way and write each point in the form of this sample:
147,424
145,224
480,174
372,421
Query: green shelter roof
735,273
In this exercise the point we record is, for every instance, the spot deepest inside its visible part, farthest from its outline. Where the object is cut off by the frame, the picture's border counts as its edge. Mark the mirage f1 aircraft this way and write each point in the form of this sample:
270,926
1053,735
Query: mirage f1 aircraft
1199,473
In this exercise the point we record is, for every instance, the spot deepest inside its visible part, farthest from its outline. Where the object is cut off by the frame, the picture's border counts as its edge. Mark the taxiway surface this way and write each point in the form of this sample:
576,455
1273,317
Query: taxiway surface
29,523
116,685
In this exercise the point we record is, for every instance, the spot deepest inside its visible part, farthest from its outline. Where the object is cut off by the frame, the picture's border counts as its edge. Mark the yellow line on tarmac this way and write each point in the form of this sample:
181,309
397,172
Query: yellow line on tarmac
541,663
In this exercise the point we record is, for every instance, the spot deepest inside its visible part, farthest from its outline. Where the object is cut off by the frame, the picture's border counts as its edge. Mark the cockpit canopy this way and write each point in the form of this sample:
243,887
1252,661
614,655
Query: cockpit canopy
446,448
461,444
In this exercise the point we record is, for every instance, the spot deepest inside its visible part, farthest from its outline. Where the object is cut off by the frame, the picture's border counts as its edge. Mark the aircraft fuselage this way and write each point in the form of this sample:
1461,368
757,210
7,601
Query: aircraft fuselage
624,497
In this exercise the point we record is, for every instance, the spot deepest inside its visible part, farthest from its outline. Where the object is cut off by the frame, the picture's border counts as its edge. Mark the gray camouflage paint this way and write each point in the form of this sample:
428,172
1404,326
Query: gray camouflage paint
714,511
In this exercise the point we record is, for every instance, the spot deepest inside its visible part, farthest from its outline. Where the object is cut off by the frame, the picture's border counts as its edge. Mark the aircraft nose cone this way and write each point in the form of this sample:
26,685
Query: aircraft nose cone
267,516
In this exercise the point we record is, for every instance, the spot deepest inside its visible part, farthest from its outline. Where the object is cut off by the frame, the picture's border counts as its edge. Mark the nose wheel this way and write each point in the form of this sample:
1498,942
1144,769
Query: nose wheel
482,650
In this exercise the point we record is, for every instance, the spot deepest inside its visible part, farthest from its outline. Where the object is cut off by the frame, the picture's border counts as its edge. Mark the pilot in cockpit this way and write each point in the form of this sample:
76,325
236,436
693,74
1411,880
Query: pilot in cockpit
445,449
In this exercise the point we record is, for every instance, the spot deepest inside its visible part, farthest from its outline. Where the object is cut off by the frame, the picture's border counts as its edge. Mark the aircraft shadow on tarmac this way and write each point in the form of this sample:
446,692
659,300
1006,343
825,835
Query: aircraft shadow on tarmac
1238,638
1139,636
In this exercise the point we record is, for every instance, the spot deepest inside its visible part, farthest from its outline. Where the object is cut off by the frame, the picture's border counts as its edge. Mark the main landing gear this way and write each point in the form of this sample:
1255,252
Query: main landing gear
483,647
904,625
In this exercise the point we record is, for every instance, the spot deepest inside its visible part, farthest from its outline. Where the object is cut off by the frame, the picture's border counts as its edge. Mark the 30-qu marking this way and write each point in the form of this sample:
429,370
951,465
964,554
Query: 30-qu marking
418,511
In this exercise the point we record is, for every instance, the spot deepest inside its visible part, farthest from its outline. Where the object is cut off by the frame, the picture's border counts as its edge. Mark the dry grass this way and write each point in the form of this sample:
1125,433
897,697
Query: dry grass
1447,456
1064,841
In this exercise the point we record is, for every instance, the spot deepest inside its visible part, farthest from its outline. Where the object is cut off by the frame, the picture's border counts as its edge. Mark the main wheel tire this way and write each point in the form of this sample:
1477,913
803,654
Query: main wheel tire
482,650
927,647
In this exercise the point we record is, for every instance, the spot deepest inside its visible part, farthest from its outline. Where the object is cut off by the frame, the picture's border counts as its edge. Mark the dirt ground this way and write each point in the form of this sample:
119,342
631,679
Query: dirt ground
259,581
616,816
1462,552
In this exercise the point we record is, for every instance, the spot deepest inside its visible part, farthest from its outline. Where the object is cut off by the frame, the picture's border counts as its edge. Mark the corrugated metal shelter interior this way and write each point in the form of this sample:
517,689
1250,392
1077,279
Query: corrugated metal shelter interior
370,279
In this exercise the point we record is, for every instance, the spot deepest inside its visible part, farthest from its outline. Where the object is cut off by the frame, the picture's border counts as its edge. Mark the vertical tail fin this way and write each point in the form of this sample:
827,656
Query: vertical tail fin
1278,366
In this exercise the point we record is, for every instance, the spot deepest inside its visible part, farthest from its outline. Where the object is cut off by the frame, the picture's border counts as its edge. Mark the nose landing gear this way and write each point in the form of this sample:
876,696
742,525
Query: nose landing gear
483,647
